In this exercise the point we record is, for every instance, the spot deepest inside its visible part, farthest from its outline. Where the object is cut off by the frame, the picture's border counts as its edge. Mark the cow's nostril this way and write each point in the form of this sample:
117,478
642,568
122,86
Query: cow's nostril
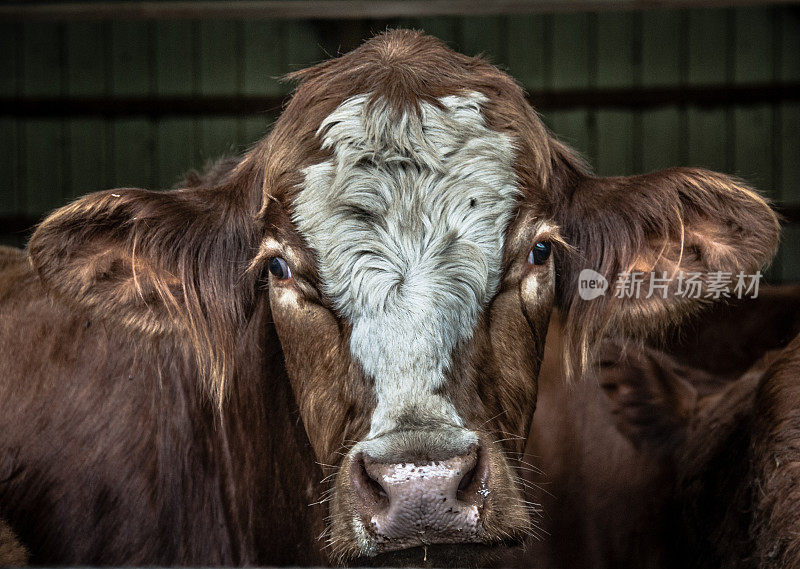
466,483
473,485
370,492
374,484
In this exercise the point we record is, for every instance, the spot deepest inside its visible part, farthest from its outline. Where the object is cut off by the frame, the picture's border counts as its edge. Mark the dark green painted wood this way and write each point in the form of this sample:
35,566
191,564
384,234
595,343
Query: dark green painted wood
176,58
789,69
89,157
87,150
789,30
220,60
661,139
409,23
571,52
573,64
133,73
662,45
132,69
527,50
43,55
221,72
790,154
573,127
10,42
786,146
790,253
45,178
13,240
43,172
710,61
615,143
218,138
484,36
11,198
445,28
753,47
263,58
252,130
754,126
707,144
617,60
754,150
176,150
87,58
303,45
709,38
133,153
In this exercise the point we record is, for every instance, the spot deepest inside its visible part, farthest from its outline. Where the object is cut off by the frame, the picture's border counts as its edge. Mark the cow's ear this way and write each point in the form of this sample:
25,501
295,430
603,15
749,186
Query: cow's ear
688,226
156,263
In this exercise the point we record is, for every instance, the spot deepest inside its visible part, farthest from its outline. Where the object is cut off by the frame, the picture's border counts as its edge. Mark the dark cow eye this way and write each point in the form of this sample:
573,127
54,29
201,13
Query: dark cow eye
540,253
279,269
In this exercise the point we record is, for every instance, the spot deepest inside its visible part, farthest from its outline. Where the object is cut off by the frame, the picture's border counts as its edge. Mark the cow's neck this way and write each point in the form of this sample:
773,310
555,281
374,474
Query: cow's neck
274,476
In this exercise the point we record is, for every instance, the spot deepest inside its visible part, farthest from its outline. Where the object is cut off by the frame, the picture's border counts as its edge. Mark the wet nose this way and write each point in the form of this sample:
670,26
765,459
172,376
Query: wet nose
421,502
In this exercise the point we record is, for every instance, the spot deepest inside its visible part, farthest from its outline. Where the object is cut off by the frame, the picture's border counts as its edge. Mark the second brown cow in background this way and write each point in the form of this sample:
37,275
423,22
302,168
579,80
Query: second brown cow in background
683,456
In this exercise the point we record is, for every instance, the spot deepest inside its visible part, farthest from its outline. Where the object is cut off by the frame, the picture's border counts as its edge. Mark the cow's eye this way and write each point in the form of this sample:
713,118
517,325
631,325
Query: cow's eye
279,269
540,253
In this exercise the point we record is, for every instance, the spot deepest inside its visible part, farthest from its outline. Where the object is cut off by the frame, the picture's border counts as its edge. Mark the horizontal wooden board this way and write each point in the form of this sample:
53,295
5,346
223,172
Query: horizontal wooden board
93,103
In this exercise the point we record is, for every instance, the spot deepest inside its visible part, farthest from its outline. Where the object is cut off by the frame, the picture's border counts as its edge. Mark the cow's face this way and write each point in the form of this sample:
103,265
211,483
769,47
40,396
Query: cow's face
413,318
413,211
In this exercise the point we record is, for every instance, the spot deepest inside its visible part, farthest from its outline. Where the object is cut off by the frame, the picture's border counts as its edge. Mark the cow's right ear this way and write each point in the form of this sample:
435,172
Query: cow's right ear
156,263
640,238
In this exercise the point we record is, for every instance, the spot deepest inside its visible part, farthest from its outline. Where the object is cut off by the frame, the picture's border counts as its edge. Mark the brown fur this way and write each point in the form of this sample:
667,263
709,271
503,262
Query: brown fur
659,463
214,174
12,552
159,406
122,458
738,479
683,219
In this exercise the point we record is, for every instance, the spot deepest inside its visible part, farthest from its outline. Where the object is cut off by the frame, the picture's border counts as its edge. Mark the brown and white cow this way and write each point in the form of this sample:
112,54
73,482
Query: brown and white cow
654,459
358,306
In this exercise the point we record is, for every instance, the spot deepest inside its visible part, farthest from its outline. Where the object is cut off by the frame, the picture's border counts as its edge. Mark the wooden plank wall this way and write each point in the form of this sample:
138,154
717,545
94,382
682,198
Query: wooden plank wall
45,162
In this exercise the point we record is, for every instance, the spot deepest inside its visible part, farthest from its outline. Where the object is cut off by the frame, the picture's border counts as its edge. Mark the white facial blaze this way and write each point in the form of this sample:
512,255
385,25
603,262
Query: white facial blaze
408,222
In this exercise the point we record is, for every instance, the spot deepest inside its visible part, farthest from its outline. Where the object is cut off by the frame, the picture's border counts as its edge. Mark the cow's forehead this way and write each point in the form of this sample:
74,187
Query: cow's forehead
403,193
408,219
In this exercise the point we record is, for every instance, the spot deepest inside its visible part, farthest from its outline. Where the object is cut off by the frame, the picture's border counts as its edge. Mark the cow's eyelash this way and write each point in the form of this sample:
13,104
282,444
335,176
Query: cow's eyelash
553,236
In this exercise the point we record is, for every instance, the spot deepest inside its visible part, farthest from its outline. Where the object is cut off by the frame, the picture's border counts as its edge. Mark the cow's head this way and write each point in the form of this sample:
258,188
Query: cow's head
417,225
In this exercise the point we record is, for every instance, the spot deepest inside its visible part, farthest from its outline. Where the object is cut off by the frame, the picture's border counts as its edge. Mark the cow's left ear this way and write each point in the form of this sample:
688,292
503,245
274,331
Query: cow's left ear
157,263
657,240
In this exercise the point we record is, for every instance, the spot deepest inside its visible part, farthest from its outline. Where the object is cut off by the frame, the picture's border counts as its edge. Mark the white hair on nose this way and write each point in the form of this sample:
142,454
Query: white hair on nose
408,219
